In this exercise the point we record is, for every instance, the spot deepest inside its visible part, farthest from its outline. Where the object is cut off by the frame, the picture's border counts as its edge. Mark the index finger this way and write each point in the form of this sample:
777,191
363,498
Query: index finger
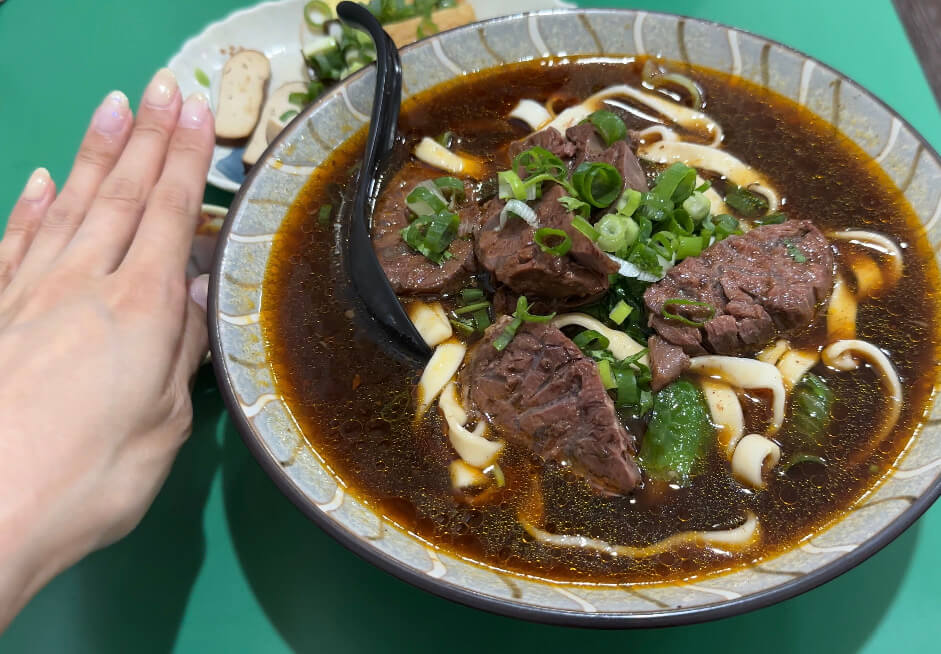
162,243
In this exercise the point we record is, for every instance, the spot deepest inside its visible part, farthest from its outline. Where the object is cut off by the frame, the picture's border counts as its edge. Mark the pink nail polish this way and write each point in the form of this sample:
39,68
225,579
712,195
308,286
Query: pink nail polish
111,115
195,111
37,185
161,90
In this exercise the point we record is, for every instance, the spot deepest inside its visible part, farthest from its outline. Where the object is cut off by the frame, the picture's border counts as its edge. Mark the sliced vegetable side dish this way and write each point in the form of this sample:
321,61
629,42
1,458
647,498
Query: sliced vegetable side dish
670,315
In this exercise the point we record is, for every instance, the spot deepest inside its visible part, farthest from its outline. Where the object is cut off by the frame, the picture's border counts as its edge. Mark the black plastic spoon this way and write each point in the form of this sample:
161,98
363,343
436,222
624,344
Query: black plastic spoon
366,273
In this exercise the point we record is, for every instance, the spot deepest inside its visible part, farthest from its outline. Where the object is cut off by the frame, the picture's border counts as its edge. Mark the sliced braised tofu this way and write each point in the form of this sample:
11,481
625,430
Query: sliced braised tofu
277,104
241,94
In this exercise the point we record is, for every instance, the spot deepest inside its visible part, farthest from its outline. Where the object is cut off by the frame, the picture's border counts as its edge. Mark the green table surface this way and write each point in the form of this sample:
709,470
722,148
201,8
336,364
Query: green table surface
223,563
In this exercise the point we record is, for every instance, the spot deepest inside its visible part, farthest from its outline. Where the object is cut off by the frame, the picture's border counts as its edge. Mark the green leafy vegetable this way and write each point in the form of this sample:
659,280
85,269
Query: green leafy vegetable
747,203
543,235
608,125
811,404
678,434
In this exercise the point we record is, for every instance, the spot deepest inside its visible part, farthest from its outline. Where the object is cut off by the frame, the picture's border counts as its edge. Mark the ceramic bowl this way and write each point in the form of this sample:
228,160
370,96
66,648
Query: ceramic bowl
272,435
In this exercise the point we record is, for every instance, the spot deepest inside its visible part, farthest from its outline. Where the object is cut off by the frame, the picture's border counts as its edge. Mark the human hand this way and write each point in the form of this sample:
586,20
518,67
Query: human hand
99,336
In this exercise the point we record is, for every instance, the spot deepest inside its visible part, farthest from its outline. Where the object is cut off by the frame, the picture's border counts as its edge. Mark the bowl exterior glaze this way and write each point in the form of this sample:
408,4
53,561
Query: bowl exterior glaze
274,438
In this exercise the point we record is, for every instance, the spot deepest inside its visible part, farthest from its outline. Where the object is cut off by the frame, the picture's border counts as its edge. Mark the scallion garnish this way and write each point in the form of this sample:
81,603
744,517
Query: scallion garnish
201,77
590,339
471,294
677,301
607,378
598,184
628,202
795,252
522,312
452,188
620,312
585,227
543,235
675,183
426,199
696,206
471,308
446,139
576,206
431,235
616,232
608,125
506,336
539,161
316,13
287,115
482,319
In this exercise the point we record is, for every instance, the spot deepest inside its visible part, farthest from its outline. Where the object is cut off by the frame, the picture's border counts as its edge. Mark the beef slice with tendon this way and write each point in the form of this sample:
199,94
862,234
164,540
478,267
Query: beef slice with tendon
762,284
543,393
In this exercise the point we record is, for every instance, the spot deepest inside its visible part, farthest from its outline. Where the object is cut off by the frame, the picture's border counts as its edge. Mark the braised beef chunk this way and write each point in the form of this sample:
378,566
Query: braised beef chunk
590,147
550,139
410,272
513,258
543,393
762,284
667,361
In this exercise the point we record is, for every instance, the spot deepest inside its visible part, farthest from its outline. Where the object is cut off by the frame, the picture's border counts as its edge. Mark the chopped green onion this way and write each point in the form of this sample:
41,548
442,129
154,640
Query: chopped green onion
697,206
620,312
590,337
544,234
471,294
598,184
750,205
425,199
511,186
482,319
300,99
585,228
628,391
471,308
608,125
616,232
607,379
323,216
501,341
446,139
522,312
628,202
465,328
425,28
726,225
519,209
688,246
539,161
431,235
576,206
202,77
664,244
675,183
676,301
702,188
287,115
452,188
316,13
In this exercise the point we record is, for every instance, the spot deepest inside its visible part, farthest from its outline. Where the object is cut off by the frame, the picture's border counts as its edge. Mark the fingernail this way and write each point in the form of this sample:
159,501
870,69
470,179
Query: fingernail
199,290
35,189
111,115
195,111
161,90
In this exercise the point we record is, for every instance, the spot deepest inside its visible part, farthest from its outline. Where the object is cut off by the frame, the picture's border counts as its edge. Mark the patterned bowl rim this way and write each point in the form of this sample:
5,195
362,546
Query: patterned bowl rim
361,547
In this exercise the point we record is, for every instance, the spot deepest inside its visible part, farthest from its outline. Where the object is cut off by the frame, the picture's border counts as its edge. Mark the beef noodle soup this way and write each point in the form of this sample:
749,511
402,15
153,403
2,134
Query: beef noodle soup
672,317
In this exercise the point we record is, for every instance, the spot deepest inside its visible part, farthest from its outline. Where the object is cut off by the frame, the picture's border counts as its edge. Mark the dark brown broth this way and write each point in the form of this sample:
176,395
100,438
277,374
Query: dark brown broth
352,400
